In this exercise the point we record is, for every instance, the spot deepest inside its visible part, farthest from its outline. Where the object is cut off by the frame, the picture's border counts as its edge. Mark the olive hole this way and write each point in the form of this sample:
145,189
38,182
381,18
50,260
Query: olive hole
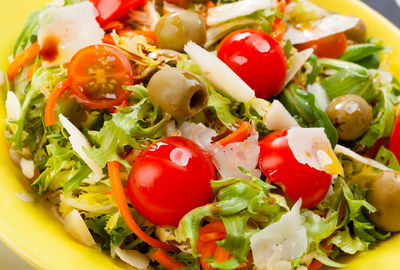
197,102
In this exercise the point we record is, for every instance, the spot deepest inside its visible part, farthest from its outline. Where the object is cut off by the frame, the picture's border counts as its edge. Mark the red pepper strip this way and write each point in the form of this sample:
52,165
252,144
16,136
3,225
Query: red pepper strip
22,59
317,264
120,199
49,111
237,136
168,262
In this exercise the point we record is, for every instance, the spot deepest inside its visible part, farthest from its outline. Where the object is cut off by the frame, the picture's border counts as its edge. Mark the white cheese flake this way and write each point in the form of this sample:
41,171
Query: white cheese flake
27,167
320,95
277,245
198,133
13,106
219,74
79,143
73,27
298,59
133,258
278,118
76,227
23,196
226,12
318,29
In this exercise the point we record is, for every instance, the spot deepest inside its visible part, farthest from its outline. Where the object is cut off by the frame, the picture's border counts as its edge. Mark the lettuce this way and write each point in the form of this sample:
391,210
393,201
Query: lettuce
387,158
304,107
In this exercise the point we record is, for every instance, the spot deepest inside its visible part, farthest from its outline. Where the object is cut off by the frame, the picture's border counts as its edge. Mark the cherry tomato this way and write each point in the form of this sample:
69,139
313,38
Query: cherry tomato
298,180
331,46
169,179
256,58
394,143
110,10
96,75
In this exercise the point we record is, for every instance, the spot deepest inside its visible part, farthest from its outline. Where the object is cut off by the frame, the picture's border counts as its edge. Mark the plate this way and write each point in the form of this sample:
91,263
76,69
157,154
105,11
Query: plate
30,229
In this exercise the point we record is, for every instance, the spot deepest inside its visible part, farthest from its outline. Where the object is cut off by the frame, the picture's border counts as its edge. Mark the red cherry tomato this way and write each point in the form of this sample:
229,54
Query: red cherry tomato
169,179
331,47
298,180
394,144
110,10
96,75
256,58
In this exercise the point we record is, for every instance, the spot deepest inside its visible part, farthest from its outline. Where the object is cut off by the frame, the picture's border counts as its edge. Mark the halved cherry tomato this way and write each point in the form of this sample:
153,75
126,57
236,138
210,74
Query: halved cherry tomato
110,10
169,179
96,75
298,180
331,46
394,144
256,58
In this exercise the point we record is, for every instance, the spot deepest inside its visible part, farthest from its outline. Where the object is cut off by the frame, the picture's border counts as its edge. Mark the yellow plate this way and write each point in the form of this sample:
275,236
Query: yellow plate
30,229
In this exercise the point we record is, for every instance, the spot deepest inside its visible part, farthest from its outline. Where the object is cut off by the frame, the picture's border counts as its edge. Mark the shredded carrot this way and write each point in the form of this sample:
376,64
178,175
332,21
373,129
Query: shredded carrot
297,81
30,73
22,59
279,31
120,199
237,136
282,8
117,25
212,236
49,111
150,35
108,39
165,260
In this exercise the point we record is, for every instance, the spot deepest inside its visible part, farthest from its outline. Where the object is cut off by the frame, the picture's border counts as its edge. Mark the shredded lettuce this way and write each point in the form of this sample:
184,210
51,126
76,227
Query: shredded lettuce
387,158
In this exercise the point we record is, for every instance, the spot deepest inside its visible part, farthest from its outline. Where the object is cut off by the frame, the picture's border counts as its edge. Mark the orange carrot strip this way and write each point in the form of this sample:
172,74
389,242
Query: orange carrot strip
49,111
279,31
22,59
317,264
108,39
120,199
207,251
238,136
209,4
282,8
117,25
213,236
30,73
168,262
221,255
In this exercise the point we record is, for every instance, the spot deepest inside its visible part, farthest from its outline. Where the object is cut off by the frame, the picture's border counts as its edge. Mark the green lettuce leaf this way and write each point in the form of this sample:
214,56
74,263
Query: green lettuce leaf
303,105
348,244
387,158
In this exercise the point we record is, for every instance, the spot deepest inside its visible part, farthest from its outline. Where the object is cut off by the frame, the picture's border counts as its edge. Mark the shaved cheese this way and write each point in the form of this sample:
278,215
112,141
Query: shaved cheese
73,27
318,29
299,59
27,167
152,15
198,133
278,244
381,76
311,146
278,118
171,130
230,11
219,73
244,154
320,95
13,106
23,196
217,32
339,149
133,258
76,227
79,143
261,106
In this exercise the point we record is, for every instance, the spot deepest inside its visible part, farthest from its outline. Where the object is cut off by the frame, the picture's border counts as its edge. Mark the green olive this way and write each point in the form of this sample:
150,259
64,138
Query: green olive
358,33
175,29
178,92
351,115
384,195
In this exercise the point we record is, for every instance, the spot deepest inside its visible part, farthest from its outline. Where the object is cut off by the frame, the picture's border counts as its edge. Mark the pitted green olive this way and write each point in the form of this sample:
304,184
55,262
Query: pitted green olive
178,92
358,33
175,29
351,115
384,195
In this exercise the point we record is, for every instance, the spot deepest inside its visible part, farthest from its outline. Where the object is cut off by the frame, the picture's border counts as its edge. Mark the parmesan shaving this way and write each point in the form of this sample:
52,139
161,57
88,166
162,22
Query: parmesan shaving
76,227
13,106
318,29
219,74
27,167
198,133
278,118
299,59
23,196
133,258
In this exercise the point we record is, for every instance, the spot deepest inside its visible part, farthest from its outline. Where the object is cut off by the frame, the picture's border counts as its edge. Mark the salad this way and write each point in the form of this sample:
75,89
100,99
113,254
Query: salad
191,134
